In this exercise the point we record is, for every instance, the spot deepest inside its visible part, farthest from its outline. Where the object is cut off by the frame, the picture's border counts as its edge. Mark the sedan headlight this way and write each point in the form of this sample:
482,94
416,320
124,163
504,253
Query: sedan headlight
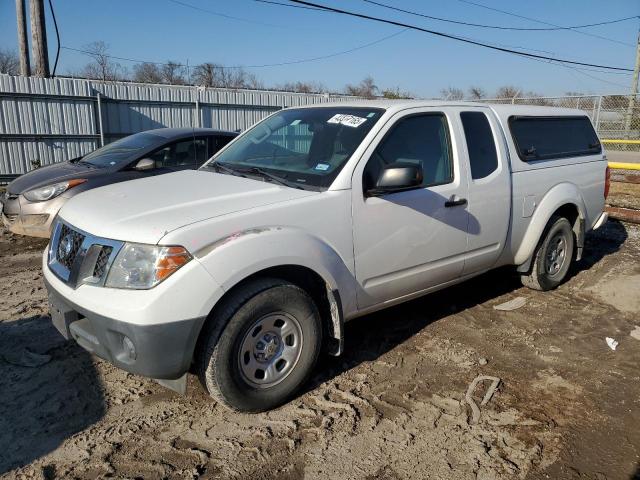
139,266
43,194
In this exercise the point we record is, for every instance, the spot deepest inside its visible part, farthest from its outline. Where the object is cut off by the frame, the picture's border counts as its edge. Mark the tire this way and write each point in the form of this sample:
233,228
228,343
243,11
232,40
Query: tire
267,325
549,269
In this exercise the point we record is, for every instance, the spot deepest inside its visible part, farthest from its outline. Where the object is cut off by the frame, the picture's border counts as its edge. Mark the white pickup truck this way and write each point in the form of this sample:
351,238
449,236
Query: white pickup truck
243,271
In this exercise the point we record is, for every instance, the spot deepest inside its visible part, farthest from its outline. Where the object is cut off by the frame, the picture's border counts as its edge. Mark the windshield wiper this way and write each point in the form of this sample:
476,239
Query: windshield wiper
221,167
272,177
80,161
256,171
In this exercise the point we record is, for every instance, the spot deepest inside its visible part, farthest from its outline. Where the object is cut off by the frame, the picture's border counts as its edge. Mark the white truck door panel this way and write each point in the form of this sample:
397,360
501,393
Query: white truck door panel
489,195
409,241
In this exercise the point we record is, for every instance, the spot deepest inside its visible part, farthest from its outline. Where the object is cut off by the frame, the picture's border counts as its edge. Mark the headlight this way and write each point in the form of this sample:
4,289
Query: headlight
140,266
43,194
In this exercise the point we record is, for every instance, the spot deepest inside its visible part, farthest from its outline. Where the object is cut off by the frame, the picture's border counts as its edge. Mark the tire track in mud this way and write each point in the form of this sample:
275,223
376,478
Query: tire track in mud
392,408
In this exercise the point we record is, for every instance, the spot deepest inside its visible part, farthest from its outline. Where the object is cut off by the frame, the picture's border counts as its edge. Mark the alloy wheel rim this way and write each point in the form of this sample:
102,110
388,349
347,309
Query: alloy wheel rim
270,349
556,254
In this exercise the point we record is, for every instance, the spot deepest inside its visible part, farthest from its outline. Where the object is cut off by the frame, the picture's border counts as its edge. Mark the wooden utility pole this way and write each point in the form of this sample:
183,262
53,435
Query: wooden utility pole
634,92
23,45
39,39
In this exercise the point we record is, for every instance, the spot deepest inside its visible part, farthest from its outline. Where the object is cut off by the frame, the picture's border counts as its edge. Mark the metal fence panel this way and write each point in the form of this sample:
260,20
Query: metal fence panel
20,155
53,120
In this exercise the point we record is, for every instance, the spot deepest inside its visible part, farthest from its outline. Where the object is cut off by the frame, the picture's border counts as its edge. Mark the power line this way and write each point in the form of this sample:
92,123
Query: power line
608,72
290,62
271,2
542,22
223,15
55,24
497,27
454,37
582,71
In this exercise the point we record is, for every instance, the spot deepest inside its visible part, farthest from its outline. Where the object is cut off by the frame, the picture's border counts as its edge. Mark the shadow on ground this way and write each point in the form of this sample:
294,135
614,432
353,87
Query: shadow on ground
49,390
598,244
369,337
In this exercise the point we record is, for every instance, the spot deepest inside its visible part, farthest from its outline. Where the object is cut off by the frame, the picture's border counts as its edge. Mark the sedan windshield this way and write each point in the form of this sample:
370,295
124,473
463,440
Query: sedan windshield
306,146
121,150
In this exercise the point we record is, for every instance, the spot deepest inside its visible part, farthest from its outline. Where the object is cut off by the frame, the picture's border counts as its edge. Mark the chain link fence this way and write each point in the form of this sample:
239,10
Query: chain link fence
616,117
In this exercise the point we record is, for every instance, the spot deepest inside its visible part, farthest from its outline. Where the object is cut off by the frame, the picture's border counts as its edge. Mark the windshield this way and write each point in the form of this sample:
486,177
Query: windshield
307,146
120,150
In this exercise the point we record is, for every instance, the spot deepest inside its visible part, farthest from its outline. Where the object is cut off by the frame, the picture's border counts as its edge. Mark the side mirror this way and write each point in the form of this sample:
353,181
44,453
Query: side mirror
145,164
397,177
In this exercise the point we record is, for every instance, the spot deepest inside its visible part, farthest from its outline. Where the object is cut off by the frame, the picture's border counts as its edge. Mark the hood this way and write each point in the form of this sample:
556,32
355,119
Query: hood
145,210
51,174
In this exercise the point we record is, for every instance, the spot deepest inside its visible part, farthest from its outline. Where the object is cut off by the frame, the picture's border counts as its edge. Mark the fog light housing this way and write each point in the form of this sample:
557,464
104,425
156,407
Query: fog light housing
128,348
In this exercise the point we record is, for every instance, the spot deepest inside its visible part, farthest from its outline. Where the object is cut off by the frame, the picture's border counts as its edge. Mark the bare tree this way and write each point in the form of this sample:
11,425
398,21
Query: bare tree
452,93
366,88
252,81
214,75
147,73
303,87
173,73
396,94
477,93
205,75
9,62
102,67
507,91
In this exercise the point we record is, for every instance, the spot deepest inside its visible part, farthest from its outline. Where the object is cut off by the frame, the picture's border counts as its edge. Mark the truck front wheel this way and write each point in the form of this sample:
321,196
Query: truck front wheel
260,346
552,257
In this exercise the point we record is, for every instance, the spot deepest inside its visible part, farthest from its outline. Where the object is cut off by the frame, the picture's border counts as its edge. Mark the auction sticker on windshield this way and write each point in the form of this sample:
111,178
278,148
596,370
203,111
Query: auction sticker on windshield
348,120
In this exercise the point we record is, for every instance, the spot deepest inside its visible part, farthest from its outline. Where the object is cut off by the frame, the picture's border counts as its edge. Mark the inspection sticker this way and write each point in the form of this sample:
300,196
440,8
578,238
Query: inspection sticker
348,120
322,166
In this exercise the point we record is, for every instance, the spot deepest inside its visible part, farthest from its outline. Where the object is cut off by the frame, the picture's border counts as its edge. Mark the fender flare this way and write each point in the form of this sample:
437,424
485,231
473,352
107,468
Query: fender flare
275,246
560,195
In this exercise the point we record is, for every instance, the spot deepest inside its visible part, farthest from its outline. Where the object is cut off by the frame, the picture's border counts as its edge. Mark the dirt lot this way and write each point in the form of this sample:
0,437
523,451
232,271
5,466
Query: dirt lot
391,408
626,195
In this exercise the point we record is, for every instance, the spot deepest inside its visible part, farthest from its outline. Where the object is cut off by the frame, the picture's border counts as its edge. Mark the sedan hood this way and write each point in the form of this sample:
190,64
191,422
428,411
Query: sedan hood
51,174
145,210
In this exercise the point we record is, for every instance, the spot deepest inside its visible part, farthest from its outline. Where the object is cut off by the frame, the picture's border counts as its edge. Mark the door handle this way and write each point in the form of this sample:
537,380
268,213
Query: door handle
454,201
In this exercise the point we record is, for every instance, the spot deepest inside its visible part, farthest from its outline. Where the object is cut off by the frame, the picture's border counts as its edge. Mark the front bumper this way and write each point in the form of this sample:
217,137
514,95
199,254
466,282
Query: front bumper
161,351
32,219
152,333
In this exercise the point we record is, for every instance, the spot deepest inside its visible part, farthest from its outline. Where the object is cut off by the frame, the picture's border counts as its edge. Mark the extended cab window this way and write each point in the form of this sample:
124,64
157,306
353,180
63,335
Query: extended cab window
420,139
544,138
483,157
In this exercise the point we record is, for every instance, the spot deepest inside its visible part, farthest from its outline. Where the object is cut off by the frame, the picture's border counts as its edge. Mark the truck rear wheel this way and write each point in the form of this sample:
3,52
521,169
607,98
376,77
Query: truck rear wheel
552,257
260,346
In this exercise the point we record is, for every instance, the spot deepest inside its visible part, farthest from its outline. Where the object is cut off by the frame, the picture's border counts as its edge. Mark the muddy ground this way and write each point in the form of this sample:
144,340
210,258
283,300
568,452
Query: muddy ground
391,408
626,195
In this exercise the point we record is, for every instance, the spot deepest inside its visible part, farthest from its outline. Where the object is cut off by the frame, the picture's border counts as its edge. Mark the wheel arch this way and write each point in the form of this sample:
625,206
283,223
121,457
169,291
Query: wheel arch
326,298
563,200
289,254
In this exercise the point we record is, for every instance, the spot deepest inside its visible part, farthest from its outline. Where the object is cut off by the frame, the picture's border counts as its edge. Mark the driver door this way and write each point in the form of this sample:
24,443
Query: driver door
413,240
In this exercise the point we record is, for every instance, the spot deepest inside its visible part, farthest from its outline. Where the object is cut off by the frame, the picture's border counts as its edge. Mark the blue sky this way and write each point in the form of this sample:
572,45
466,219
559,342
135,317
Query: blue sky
159,30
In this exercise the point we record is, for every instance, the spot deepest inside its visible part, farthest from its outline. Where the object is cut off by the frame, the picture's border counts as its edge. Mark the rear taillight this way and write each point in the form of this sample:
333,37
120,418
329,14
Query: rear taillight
607,182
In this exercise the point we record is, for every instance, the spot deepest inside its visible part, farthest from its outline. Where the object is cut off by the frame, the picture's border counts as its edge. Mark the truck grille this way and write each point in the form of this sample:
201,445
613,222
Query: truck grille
78,258
100,267
68,246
